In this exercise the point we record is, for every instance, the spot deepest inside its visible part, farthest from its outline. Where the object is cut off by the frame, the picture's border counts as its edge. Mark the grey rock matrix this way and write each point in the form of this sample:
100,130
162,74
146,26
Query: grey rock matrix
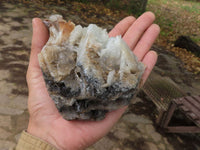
87,73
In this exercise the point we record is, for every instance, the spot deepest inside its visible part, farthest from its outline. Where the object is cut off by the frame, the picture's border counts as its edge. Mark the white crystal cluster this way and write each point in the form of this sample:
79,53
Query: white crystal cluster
88,73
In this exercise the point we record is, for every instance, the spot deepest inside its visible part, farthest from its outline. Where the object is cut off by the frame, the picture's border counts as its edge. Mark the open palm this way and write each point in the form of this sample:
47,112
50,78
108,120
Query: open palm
46,122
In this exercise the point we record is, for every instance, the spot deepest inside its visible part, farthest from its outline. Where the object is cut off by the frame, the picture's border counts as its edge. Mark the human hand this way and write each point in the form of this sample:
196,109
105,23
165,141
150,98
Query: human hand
46,122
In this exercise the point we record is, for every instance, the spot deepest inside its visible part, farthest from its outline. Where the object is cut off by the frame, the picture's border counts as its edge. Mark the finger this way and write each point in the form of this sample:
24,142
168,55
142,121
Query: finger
122,26
146,41
137,29
149,61
39,39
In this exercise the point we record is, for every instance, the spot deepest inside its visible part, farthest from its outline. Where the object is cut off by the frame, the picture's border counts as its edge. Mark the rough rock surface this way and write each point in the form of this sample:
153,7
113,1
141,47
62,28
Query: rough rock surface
87,73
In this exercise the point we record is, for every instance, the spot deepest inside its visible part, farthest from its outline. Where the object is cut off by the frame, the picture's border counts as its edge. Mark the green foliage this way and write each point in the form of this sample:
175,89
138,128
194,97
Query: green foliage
192,8
135,7
87,1
114,4
193,0
176,17
195,39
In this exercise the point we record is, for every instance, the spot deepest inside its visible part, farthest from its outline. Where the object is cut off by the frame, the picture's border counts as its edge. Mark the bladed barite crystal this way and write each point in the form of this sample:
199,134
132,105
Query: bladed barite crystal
88,74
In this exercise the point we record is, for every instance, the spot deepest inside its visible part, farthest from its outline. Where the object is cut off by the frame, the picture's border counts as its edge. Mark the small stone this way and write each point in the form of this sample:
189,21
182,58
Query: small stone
14,23
197,147
17,137
90,148
16,13
141,127
10,111
5,87
151,146
161,146
4,28
180,140
5,121
8,19
12,105
4,134
135,134
136,100
19,102
156,136
145,136
116,148
3,74
121,134
166,141
8,6
149,128
126,148
119,126
7,145
104,144
22,122
132,118
170,147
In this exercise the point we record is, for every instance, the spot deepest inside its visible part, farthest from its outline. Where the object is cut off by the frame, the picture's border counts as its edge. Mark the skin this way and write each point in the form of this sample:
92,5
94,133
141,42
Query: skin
45,121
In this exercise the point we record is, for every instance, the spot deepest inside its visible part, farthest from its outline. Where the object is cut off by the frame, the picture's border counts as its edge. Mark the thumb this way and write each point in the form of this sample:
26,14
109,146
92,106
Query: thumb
38,94
39,39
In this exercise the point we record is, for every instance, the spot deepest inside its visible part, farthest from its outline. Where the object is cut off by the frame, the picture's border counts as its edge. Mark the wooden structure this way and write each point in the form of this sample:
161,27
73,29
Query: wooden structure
168,97
190,106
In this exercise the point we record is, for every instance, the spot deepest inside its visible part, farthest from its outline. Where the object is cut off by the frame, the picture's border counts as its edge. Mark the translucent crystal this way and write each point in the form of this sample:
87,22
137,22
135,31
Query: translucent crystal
88,73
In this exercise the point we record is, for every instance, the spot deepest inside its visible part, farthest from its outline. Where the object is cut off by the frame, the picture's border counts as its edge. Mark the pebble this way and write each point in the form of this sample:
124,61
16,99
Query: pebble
156,136
4,134
12,105
104,144
5,121
7,145
10,111
132,118
161,146
121,134
17,137
141,127
149,128
151,146
136,100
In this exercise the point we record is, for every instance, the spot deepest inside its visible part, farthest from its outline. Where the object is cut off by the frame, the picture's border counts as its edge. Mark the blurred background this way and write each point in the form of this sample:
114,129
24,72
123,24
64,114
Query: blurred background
177,47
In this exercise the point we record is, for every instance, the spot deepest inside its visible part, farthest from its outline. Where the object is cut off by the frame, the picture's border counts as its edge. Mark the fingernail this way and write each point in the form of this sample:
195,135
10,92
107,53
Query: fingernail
34,21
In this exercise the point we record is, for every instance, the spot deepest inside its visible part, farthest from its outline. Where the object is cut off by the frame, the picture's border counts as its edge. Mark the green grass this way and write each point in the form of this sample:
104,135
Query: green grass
177,17
194,8
195,39
190,6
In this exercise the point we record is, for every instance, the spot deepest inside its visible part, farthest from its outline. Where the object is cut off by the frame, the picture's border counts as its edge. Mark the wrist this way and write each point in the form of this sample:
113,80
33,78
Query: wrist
42,133
28,141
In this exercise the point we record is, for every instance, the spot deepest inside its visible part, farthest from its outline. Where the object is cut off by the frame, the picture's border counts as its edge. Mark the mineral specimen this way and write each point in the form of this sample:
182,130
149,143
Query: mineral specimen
88,74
